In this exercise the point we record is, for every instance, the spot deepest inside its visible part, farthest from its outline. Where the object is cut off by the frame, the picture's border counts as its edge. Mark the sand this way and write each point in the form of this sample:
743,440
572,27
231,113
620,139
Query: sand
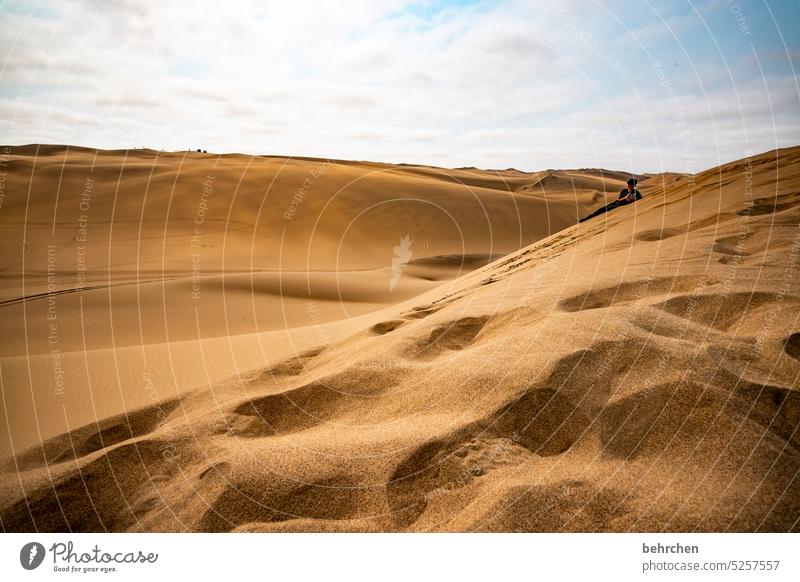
503,369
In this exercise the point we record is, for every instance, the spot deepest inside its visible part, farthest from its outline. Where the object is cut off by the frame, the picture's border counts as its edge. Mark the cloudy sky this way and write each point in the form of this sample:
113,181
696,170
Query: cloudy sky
637,86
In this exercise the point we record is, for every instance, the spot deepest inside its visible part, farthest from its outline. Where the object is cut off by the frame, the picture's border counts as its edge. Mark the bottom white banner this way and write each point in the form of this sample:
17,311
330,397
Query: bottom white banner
400,556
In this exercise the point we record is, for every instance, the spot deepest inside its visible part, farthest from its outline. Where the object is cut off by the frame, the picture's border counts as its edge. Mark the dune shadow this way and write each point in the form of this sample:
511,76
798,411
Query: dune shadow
94,437
451,336
96,498
791,345
327,499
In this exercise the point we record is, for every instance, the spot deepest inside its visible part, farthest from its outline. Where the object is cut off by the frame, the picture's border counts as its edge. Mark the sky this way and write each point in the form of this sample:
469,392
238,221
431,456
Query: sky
639,86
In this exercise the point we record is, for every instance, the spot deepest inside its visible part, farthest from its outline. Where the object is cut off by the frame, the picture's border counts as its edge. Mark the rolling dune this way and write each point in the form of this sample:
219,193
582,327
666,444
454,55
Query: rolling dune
152,236
636,372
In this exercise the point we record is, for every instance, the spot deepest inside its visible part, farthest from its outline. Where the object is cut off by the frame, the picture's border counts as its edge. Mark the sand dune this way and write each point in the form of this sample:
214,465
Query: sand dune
637,372
114,260
137,232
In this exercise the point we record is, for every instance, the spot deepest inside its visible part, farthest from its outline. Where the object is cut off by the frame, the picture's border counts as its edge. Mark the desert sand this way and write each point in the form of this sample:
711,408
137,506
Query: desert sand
196,342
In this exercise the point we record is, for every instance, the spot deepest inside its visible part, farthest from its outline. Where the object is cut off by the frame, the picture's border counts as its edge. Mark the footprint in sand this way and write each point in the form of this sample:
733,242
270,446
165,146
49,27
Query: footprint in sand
94,437
442,466
292,367
791,345
543,421
539,423
567,506
451,336
327,499
326,400
100,497
763,206
665,232
385,327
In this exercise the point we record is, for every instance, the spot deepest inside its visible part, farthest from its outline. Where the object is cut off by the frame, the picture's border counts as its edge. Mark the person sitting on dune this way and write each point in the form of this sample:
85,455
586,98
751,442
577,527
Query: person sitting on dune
626,196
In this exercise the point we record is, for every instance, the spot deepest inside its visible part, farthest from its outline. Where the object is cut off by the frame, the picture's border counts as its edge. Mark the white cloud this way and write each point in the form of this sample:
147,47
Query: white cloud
487,84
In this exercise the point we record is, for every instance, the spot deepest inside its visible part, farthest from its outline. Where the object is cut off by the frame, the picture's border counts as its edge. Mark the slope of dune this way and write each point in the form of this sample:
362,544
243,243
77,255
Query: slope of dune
637,372
130,268
138,236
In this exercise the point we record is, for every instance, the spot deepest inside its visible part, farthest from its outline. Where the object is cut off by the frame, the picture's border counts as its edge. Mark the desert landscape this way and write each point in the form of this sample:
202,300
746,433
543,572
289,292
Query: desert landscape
214,343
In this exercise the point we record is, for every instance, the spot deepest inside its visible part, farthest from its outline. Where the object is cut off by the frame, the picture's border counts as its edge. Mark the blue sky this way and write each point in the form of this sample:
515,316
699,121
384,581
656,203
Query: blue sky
638,86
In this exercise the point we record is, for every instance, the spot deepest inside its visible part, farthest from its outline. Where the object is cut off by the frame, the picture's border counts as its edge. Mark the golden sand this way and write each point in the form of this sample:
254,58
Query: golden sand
636,372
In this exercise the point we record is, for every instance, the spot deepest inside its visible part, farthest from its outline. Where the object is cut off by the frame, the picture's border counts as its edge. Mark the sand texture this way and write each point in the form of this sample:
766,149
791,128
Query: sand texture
503,369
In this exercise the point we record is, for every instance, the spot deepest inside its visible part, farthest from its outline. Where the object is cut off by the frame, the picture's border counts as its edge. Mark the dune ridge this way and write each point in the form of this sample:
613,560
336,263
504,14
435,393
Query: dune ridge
138,232
637,372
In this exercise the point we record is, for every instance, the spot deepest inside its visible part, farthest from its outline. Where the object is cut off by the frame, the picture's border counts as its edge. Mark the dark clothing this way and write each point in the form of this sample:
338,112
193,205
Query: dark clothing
624,193
618,202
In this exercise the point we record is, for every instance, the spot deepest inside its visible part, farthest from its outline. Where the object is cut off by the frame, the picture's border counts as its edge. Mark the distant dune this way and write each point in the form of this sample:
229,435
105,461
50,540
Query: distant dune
259,236
234,343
